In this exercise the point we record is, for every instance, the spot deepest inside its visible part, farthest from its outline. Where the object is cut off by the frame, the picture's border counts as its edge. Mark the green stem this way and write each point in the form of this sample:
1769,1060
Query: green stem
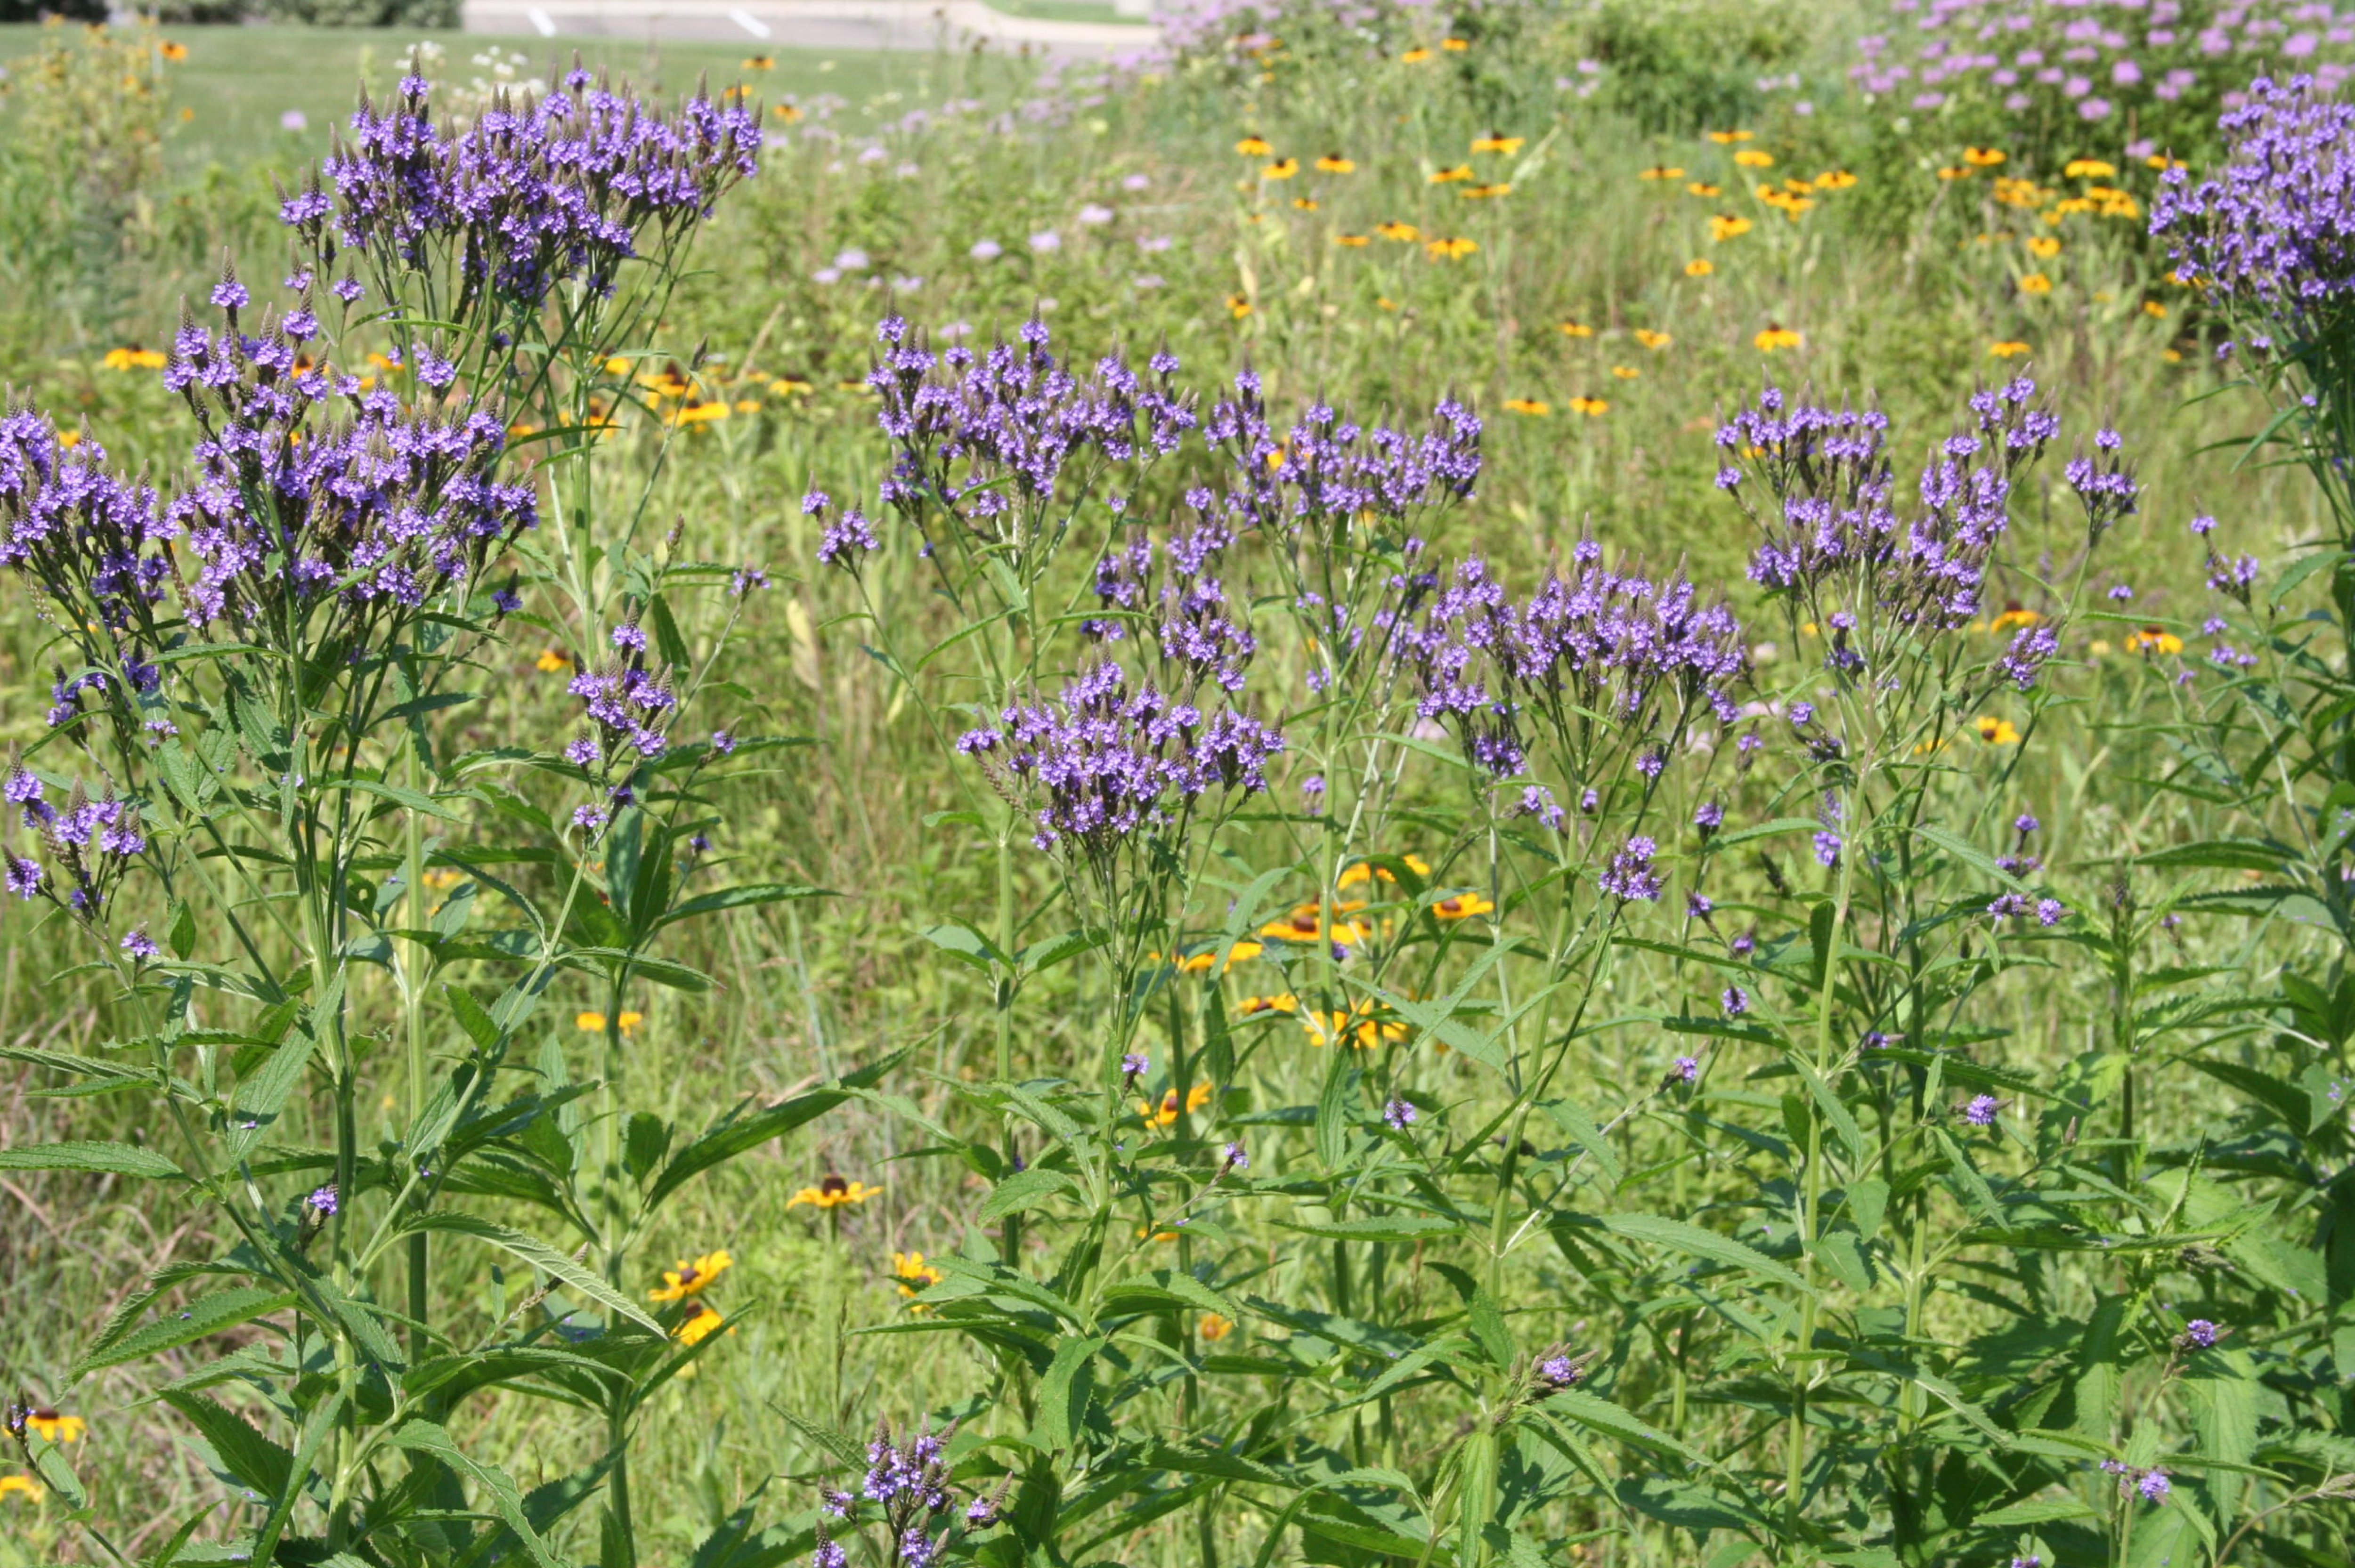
412,1003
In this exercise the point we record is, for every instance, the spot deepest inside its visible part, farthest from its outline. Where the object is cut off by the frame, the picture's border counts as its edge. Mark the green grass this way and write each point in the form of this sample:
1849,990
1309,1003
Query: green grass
1895,298
1065,11
238,82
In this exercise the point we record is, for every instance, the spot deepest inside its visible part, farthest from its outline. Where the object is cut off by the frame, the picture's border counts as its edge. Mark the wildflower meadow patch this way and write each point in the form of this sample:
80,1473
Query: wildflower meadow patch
1432,786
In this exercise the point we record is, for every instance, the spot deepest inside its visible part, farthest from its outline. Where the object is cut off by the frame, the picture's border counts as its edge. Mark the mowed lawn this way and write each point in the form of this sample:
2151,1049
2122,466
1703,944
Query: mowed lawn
238,84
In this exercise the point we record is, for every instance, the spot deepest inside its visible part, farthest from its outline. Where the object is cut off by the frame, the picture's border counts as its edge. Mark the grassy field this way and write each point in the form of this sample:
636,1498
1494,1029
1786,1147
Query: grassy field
231,95
1606,235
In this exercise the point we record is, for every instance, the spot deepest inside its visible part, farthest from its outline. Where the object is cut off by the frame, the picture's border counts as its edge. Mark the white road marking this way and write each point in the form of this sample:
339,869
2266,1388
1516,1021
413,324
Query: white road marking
749,23
541,22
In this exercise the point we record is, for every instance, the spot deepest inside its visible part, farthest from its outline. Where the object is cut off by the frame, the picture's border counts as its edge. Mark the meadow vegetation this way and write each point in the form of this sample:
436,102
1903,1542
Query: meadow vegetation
1470,785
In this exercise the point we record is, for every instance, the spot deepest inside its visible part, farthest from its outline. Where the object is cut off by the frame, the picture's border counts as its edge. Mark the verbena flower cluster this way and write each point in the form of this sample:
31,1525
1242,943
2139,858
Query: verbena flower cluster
2272,231
562,189
2152,70
91,542
628,702
907,1483
988,437
1838,543
90,843
1109,757
308,481
312,504
1598,659
1326,469
1175,595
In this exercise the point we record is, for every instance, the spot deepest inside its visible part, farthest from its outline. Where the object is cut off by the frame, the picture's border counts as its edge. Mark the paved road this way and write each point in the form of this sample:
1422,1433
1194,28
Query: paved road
804,23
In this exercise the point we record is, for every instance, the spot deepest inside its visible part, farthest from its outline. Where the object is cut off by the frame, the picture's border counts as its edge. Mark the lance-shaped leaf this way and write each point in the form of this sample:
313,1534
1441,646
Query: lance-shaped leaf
557,1266
730,1138
104,1158
208,1314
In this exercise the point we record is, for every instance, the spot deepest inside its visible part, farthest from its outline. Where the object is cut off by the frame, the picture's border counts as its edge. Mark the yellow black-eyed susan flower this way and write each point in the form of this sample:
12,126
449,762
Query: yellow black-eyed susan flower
1699,266
1214,1328
31,1489
1592,408
2007,348
1661,171
1200,963
760,62
1416,55
1358,1027
46,1423
1253,147
2044,247
1313,923
594,1022
1238,306
1459,172
1352,241
1772,336
171,50
833,1192
2090,169
911,1272
684,1281
1703,188
1400,232
1728,138
549,661
1164,1113
1497,142
1365,871
1753,158
1983,157
1464,905
133,357
1655,341
2036,283
1997,731
698,1326
2153,639
1334,163
1625,372
1834,180
1451,249
1572,327
1282,169
1534,407
1728,226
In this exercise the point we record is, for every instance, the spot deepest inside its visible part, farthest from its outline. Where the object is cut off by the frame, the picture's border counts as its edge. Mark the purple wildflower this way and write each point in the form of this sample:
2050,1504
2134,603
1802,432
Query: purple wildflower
1630,876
